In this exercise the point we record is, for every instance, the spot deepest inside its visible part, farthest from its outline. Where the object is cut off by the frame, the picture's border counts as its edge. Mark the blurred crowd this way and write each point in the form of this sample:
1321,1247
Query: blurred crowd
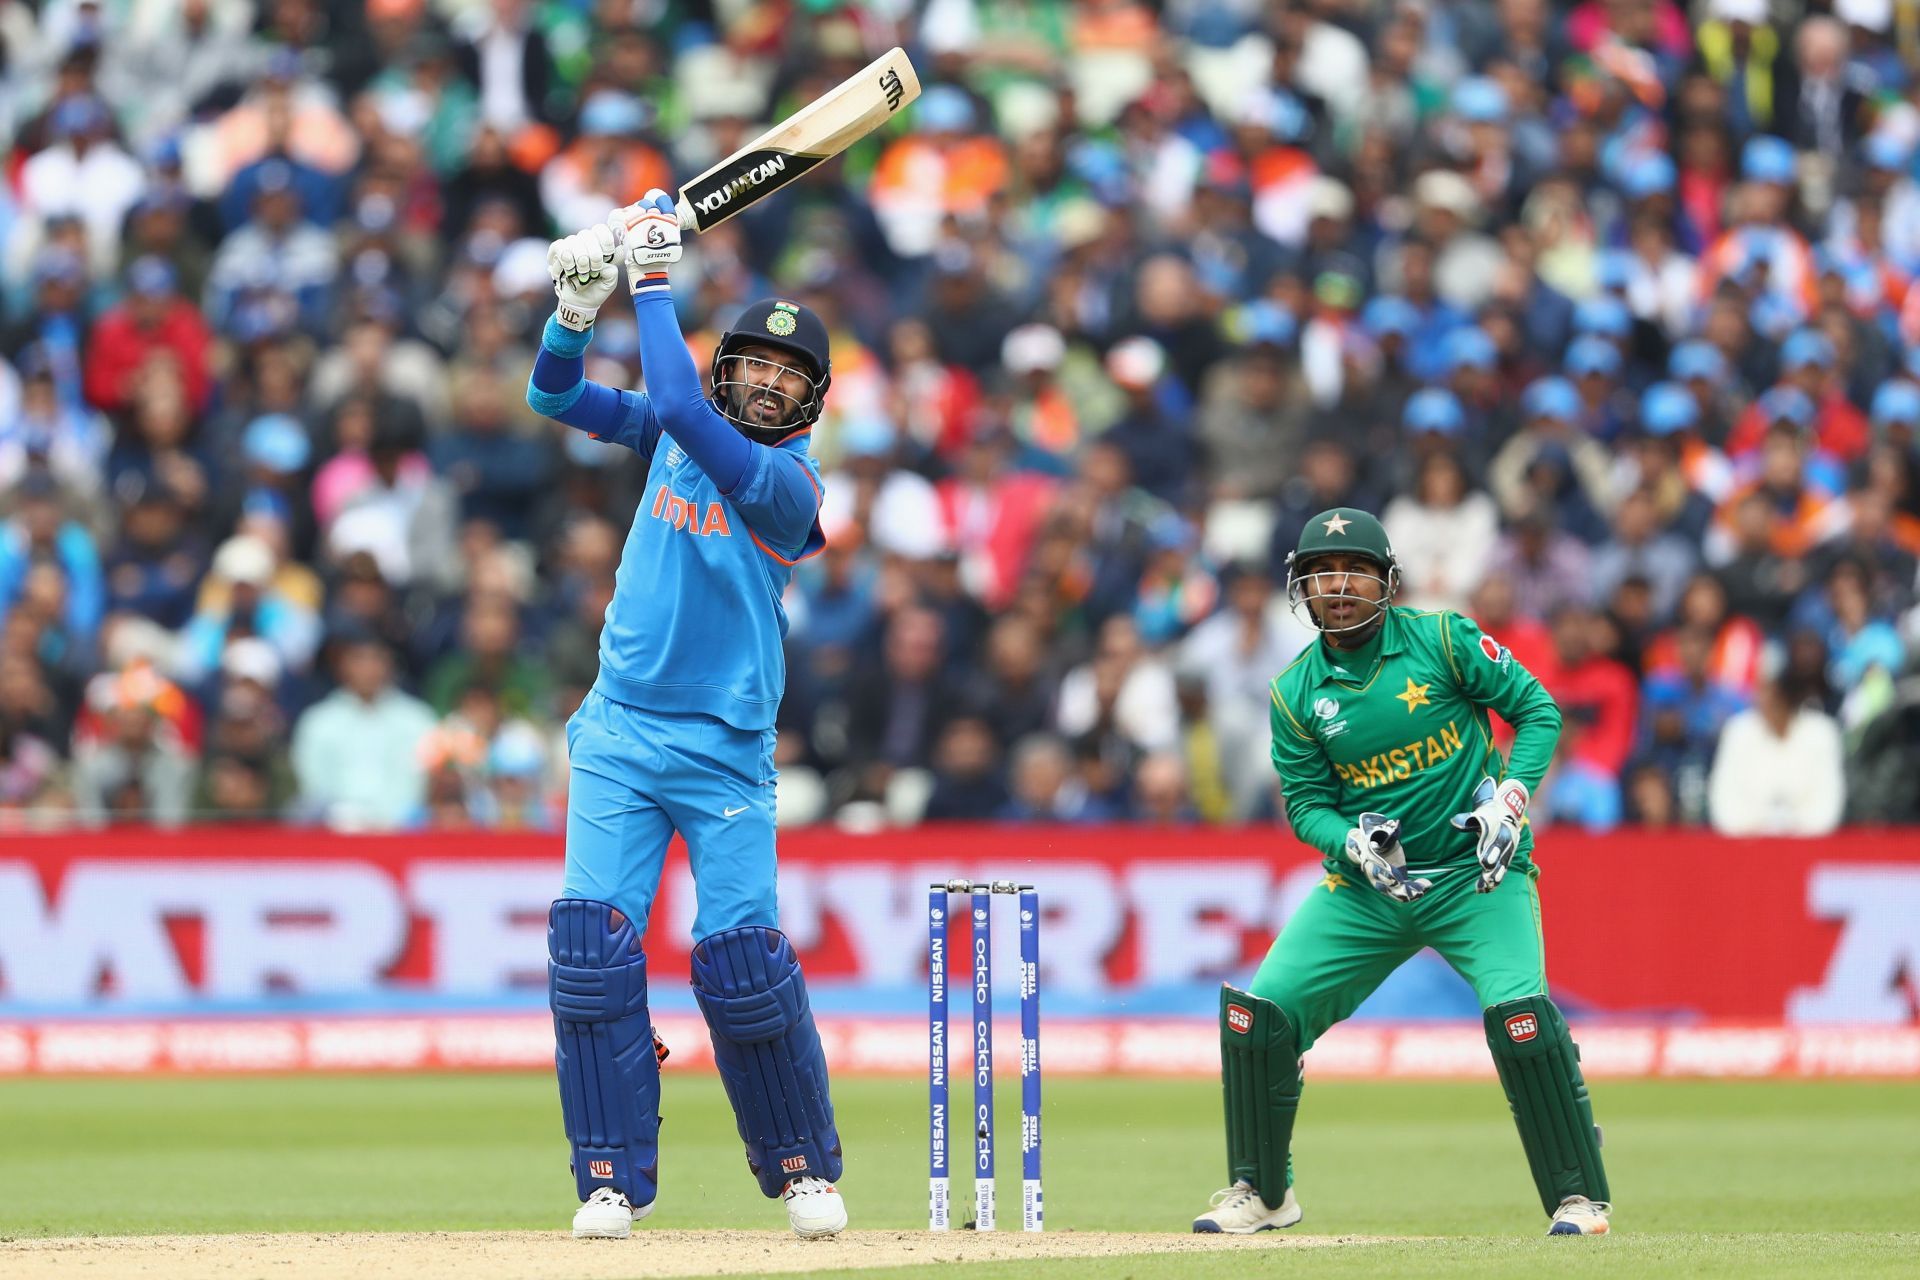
1605,307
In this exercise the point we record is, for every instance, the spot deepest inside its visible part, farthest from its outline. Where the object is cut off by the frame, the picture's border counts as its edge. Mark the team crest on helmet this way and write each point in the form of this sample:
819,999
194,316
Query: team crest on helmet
780,323
1337,523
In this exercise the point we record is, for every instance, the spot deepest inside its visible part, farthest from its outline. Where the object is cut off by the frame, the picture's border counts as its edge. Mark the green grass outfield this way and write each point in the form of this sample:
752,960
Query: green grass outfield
1737,1178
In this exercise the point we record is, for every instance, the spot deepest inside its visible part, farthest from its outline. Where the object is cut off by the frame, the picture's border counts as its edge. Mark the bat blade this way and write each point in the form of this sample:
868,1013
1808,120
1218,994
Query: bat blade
809,137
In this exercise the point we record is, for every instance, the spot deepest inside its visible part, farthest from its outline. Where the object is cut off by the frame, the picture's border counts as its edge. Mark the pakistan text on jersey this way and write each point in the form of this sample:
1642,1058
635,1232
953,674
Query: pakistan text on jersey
1387,766
681,514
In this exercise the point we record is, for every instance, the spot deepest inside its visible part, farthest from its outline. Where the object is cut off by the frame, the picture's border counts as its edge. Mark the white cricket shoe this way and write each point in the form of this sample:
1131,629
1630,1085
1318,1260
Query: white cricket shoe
1579,1216
1240,1211
607,1215
815,1209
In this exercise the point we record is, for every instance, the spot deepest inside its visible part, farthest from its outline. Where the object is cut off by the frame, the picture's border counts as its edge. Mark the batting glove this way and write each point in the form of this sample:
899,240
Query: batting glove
584,266
650,234
1498,810
1374,847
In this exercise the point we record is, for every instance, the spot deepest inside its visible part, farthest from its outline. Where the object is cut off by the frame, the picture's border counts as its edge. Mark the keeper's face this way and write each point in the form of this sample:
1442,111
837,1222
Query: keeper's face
1344,590
770,386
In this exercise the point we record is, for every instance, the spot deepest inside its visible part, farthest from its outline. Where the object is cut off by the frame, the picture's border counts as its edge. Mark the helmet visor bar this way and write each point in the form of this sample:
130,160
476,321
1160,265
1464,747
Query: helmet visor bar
750,395
1340,607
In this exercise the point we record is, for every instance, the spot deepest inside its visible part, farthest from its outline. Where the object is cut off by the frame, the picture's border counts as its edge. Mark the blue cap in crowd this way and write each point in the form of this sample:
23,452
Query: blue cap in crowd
1550,397
274,506
1897,401
867,437
1805,347
1387,314
516,752
1480,99
1434,409
1650,173
944,109
1697,359
610,113
1667,407
1264,323
1786,404
1470,347
1613,268
1591,353
1603,315
1882,150
277,442
1767,159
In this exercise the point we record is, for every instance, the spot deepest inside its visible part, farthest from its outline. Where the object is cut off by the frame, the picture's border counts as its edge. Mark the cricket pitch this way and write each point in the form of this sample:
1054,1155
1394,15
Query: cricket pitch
555,1255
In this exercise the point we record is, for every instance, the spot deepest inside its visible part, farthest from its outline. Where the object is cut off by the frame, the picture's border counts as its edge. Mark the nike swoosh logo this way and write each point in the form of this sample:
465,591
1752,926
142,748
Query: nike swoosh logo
730,813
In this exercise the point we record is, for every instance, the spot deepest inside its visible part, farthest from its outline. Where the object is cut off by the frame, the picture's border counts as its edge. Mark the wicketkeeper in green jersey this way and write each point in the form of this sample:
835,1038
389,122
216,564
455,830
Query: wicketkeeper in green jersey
1381,740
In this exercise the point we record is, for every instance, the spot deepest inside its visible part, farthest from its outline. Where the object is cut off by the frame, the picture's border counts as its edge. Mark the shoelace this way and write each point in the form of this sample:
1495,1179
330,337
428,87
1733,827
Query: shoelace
1600,1206
604,1195
1231,1198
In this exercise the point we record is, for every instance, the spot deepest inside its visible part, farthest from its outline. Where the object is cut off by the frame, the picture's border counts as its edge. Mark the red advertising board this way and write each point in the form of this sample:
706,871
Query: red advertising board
1679,934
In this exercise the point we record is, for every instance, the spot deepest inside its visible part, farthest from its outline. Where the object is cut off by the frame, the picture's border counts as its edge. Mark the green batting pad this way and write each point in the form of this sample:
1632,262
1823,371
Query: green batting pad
1260,1080
1540,1070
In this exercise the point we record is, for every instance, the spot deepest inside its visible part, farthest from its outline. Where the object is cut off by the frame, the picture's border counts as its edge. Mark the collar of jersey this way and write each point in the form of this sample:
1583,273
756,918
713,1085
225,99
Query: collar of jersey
1392,641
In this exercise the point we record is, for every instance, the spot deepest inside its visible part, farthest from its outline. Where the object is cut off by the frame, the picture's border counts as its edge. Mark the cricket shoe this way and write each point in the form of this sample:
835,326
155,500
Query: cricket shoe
815,1209
1240,1211
607,1215
1579,1216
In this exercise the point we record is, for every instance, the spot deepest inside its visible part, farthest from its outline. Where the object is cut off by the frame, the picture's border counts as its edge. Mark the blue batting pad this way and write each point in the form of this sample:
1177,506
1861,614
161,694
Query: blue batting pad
749,987
603,1048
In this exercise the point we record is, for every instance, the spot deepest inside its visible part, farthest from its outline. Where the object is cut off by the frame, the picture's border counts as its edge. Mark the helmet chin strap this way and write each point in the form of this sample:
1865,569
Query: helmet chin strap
1355,636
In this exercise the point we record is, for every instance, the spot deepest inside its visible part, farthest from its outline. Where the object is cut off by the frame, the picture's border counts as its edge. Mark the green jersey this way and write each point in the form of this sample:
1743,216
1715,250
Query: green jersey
1399,726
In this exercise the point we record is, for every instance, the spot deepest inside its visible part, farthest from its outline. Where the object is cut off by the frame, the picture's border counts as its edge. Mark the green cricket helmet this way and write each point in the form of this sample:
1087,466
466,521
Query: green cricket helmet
1345,531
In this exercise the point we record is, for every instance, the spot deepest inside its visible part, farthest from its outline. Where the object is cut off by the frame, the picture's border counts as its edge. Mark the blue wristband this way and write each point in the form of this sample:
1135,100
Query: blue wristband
552,404
564,342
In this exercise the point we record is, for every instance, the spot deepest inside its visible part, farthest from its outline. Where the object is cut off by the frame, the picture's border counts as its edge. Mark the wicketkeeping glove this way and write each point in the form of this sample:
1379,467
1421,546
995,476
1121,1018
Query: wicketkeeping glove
1374,847
584,266
1498,810
649,233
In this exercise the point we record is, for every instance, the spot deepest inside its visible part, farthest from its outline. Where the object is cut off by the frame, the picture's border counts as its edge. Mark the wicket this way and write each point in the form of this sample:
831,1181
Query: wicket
939,1028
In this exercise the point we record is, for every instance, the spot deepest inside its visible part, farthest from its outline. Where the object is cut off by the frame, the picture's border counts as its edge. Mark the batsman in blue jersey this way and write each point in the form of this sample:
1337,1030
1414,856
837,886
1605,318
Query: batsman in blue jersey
677,733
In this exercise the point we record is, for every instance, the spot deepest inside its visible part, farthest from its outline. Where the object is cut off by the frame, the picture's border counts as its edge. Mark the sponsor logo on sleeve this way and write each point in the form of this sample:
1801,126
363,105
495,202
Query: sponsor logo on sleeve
1496,652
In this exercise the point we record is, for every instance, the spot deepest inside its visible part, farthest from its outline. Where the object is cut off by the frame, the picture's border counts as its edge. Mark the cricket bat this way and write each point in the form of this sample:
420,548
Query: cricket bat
817,132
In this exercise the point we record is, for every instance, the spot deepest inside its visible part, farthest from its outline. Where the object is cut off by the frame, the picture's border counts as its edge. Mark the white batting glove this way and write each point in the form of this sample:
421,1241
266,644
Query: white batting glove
649,233
585,267
1498,810
1374,847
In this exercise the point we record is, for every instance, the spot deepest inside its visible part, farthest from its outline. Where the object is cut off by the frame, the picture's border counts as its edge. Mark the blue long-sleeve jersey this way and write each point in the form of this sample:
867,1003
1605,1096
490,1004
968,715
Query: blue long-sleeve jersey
696,621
